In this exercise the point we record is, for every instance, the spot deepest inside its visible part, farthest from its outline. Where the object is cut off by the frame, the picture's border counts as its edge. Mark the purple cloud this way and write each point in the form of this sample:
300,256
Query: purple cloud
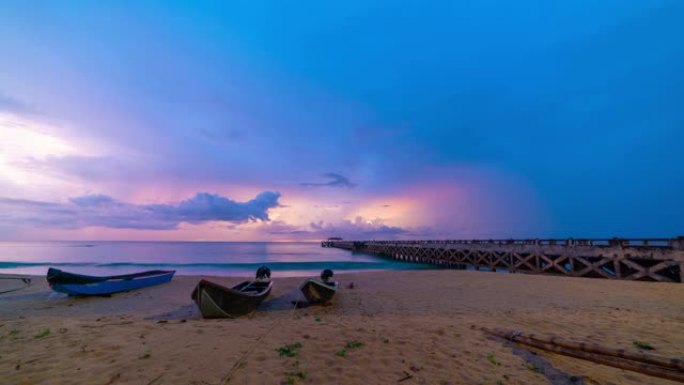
89,168
13,105
359,228
211,207
336,180
283,228
105,211
93,200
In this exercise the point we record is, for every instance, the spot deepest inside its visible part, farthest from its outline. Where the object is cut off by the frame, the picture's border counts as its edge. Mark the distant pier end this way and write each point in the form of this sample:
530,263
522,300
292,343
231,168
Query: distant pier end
629,259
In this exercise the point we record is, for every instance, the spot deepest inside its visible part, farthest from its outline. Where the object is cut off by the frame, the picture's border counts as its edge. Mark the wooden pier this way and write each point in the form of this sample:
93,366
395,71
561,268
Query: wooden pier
630,259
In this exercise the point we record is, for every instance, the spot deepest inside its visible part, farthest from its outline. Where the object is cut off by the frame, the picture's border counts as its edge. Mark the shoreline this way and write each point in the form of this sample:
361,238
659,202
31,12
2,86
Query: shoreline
242,272
407,322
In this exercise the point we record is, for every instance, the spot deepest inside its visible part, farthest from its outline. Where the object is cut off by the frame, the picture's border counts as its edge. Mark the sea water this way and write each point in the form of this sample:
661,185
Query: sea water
188,258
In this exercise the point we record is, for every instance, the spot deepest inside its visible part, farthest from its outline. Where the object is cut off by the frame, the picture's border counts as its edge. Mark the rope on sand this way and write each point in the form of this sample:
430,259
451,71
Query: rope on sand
26,281
239,362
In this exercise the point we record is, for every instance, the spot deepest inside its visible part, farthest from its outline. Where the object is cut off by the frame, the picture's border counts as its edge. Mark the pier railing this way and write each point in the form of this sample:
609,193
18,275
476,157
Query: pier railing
643,259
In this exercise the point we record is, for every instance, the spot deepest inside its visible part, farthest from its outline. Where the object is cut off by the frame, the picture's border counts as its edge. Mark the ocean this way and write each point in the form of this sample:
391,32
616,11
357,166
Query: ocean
231,259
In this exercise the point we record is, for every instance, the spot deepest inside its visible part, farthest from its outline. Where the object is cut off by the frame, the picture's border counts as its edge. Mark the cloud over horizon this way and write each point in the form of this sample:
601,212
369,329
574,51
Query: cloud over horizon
359,228
104,211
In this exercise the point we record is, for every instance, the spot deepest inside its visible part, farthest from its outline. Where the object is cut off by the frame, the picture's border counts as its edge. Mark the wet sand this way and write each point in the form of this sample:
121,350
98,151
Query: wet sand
410,327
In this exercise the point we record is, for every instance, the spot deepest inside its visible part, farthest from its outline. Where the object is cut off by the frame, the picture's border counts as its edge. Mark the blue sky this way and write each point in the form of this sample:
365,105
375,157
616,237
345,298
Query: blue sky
368,119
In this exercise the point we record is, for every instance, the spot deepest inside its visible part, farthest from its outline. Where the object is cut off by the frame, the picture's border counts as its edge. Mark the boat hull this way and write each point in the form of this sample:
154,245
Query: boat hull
217,301
76,284
316,291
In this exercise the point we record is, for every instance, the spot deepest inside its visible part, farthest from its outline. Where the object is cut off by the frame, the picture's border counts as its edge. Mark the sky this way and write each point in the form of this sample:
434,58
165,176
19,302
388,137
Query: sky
281,121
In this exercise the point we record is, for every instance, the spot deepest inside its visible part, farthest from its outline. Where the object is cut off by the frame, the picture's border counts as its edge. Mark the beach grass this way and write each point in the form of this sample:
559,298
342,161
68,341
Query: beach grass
289,350
42,334
353,344
492,360
642,345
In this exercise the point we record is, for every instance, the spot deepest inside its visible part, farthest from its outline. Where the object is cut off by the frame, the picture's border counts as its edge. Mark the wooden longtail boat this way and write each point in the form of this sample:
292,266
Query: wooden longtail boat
10,283
77,284
217,301
320,291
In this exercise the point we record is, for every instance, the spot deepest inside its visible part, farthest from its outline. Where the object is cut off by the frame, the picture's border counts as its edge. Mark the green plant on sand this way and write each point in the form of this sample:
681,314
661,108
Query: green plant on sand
42,334
349,346
353,344
492,360
288,350
298,374
643,345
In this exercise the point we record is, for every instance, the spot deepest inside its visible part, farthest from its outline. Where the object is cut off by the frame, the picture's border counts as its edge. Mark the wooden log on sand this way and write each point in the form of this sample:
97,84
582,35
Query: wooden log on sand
670,371
649,358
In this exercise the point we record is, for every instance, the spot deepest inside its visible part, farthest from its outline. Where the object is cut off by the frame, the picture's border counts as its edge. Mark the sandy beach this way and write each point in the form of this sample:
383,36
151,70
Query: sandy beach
410,327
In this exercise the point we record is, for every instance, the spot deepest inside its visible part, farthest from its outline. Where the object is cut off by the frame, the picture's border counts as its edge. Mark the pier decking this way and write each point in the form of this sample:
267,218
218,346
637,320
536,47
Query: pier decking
629,259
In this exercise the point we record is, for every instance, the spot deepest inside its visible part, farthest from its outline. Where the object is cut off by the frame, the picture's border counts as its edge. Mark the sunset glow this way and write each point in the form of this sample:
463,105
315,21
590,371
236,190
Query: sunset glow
223,123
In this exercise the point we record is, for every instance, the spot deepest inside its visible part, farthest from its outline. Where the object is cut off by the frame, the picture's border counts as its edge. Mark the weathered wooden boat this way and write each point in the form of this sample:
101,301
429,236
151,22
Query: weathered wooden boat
320,291
78,284
217,301
10,283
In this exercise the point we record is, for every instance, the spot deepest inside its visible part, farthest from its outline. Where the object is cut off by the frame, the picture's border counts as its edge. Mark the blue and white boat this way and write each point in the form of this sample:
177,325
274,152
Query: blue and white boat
77,284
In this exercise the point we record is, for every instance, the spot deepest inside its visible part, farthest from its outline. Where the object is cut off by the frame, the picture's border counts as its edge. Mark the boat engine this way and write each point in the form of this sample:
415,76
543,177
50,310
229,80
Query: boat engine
326,275
263,272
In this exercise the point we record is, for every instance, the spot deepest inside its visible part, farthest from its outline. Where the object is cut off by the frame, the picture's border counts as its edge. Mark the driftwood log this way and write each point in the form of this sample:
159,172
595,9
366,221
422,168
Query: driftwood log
649,358
649,364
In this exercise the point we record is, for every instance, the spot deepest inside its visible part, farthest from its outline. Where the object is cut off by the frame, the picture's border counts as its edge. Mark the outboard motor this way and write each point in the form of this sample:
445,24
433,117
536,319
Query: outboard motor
263,272
326,275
